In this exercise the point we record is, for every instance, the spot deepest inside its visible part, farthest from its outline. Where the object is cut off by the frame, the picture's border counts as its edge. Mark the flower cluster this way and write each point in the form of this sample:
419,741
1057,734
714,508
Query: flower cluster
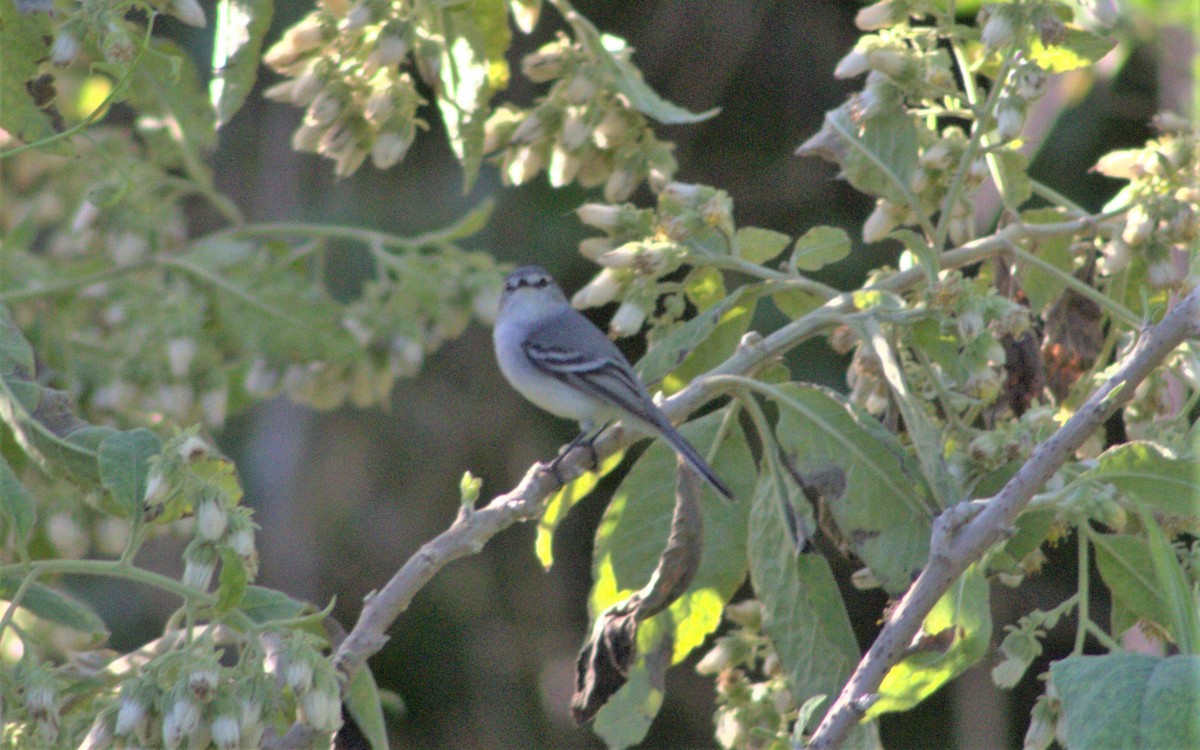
583,129
755,709
343,65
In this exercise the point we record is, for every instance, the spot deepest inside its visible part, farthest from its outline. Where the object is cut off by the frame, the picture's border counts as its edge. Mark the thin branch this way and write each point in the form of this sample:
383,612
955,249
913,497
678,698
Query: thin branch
968,543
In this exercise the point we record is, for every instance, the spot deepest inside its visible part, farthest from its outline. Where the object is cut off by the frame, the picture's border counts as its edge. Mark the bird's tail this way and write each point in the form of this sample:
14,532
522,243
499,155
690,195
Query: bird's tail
685,449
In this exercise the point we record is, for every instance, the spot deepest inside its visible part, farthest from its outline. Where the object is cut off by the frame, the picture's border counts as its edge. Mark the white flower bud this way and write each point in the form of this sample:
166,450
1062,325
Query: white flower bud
523,165
200,561
321,707
599,291
180,353
389,150
298,674
99,737
891,63
189,12
66,536
599,215
1010,120
379,107
180,722
544,65
580,90
564,165
620,185
1138,226
575,129
202,682
876,16
226,734
389,51
852,65
530,130
260,381
1162,274
1032,82
628,319
998,31
611,130
1115,256
65,48
307,137
594,247
881,222
211,519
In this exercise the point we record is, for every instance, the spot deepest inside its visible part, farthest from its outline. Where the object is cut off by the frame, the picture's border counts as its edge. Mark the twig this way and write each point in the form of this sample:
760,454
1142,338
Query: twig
968,543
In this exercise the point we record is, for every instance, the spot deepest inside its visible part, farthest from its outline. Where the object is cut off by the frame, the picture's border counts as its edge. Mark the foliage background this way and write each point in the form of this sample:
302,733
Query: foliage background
484,657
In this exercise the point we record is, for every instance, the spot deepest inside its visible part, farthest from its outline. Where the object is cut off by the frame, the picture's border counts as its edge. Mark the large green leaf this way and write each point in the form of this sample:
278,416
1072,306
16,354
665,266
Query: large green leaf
123,459
16,355
1147,473
759,245
1177,592
17,508
634,530
803,611
23,40
56,607
877,156
818,247
237,41
561,502
472,68
881,511
957,632
1127,569
1042,286
613,51
698,345
362,701
1128,701
1078,49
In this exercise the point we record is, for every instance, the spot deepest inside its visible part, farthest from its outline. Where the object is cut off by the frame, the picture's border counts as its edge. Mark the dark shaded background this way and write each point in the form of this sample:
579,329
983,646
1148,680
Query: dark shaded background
484,657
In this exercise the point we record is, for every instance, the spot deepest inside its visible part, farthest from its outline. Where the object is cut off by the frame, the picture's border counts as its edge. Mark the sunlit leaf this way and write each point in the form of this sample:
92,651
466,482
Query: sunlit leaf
819,247
237,41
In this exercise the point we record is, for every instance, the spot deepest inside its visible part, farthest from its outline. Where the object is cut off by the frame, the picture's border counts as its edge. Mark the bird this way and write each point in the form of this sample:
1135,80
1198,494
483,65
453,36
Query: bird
561,362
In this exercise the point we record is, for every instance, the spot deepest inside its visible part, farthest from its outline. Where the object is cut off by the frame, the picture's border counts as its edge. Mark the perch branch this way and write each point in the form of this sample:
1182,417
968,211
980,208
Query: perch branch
956,546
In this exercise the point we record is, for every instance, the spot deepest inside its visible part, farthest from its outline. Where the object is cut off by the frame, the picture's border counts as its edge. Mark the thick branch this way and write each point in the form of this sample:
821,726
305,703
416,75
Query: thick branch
963,546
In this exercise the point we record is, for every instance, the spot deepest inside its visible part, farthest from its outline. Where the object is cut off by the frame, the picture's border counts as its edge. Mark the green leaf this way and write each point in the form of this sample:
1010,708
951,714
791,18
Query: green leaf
881,511
959,628
795,303
470,224
759,245
472,69
701,343
56,607
1126,566
626,717
263,605
561,502
1044,287
819,247
1147,473
362,701
1033,527
17,507
879,156
23,39
16,355
1173,583
167,83
1078,49
1128,701
704,287
634,530
237,41
1014,171
613,52
124,463
940,346
802,608
231,584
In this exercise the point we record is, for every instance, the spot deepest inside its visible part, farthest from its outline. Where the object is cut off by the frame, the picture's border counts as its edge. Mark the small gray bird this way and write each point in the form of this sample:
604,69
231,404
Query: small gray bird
558,360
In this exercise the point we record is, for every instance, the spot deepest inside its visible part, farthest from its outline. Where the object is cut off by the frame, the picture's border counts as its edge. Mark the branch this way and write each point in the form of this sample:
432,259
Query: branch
955,547
473,528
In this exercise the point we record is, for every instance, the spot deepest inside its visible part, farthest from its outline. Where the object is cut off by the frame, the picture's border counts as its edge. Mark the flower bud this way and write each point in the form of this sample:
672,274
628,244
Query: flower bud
523,164
298,674
296,41
531,129
1163,273
580,90
390,50
599,291
628,319
1138,226
202,682
881,222
1010,120
1031,82
546,64
100,736
877,16
321,707
594,247
65,48
200,561
998,31
852,65
389,149
891,63
611,130
599,215
1115,256
211,519
259,380
575,129
226,734
620,185
189,12
563,167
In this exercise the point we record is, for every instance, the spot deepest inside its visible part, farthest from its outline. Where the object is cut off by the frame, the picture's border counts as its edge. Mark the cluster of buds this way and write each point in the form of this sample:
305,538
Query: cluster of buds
897,71
754,706
343,66
1163,221
39,687
583,130
642,245
312,681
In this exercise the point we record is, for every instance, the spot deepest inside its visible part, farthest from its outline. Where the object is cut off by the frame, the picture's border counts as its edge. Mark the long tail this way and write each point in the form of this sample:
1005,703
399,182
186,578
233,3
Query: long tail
685,449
